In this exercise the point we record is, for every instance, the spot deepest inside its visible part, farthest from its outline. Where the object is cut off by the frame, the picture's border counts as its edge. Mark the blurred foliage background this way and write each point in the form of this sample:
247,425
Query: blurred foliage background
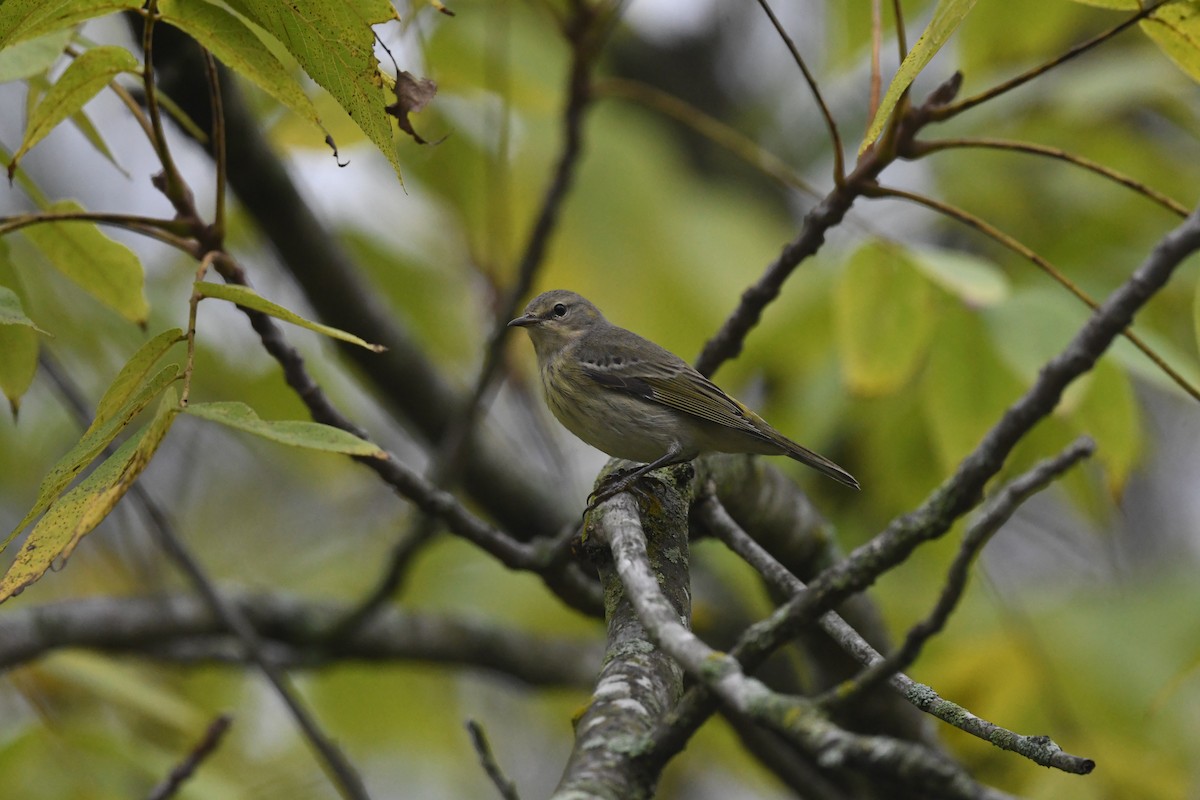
892,352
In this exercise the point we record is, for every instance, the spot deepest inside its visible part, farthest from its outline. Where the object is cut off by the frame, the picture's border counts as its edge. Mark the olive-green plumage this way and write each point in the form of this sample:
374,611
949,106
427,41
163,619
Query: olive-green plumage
632,399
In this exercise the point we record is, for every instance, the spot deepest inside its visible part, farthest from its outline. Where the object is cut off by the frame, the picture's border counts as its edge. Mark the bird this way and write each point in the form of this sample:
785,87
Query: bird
635,400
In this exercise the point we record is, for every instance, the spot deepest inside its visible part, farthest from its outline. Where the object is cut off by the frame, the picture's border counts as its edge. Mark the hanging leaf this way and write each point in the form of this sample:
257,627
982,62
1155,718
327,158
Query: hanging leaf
18,348
80,510
18,364
297,433
946,18
333,42
241,50
91,444
86,76
103,267
247,298
133,375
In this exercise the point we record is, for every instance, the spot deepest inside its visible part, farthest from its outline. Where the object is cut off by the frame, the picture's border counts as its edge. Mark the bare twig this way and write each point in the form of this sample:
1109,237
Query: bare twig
835,138
168,231
876,78
1039,749
990,519
922,147
901,36
955,109
203,749
487,759
218,145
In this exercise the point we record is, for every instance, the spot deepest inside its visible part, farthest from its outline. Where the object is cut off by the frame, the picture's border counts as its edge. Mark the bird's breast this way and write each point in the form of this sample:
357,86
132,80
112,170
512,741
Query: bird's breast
614,422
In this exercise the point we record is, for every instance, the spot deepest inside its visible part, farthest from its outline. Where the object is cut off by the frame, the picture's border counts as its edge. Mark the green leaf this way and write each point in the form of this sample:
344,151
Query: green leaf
33,57
946,18
247,298
26,19
86,76
1108,412
1175,28
78,512
133,375
966,386
18,340
18,362
298,433
883,313
104,268
12,312
974,280
241,50
91,444
334,43
1196,312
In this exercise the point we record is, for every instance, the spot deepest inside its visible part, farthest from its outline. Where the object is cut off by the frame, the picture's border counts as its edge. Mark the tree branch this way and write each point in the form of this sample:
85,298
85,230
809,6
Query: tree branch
183,628
795,718
638,682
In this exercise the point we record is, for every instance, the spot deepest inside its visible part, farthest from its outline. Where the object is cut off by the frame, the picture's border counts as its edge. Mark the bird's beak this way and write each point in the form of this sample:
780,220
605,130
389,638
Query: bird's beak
524,321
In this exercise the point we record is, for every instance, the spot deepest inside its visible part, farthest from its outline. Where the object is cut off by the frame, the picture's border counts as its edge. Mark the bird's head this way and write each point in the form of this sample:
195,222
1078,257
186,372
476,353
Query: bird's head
557,318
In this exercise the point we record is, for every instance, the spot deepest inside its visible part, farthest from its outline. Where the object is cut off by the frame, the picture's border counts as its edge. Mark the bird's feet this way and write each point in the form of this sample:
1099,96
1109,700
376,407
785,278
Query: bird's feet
613,484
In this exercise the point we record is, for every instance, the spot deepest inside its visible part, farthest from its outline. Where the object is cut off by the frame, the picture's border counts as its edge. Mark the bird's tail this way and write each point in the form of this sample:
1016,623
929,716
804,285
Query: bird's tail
818,462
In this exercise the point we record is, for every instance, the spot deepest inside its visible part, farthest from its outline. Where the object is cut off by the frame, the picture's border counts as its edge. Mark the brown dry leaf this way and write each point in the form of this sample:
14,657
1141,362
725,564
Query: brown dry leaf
412,95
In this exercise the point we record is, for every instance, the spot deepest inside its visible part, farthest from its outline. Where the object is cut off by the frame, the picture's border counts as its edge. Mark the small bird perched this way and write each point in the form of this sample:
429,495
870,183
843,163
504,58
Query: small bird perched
634,400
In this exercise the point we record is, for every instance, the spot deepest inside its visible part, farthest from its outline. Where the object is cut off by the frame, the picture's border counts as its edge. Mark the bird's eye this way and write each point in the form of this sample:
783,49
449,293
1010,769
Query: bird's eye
559,310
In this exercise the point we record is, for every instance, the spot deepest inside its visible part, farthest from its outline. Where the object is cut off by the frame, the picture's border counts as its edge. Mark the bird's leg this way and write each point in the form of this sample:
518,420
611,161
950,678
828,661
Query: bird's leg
616,483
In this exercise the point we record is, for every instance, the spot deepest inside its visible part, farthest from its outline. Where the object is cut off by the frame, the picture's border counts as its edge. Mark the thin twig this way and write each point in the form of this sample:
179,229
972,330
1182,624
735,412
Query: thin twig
173,186
954,109
876,77
901,36
1002,238
990,520
487,759
184,769
835,138
1150,193
217,228
1038,749
169,231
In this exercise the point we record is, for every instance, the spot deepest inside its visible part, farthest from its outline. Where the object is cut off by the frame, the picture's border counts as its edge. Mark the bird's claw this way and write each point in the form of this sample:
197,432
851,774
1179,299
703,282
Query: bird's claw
613,484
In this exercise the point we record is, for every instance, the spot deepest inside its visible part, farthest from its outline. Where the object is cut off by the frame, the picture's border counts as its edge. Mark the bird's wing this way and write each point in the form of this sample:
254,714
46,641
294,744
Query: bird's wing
675,384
